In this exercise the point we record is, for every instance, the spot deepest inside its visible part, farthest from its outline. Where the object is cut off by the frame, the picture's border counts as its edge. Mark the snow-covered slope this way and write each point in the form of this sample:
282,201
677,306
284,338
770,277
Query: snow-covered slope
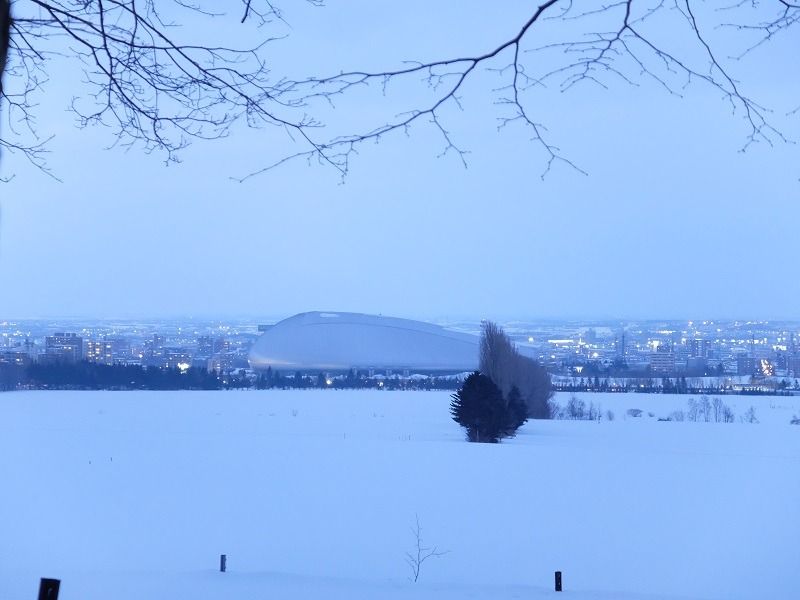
312,494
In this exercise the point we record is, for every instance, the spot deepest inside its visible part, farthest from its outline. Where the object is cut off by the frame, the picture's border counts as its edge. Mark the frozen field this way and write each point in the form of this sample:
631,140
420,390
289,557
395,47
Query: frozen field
312,494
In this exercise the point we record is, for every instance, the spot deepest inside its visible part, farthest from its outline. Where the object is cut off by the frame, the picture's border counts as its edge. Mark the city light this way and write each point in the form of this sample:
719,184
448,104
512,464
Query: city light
625,351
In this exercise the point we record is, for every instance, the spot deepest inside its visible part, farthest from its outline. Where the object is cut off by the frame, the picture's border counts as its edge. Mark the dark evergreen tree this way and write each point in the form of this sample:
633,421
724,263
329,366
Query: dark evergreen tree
480,409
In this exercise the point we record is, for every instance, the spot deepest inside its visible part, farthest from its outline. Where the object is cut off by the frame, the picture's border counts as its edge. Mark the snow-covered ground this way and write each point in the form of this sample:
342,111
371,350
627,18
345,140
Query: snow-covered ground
312,494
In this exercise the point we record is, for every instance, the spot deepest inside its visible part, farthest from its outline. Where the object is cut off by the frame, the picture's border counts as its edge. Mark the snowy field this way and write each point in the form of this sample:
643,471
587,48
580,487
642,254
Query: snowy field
312,494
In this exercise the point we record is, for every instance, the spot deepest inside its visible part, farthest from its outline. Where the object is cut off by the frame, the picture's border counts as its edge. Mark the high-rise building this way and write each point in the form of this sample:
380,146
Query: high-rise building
100,351
120,348
662,360
699,347
153,353
221,345
794,366
177,358
205,346
747,365
66,346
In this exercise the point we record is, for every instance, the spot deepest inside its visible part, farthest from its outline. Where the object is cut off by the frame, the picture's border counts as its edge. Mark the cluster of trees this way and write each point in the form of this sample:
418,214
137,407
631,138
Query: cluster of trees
619,368
506,391
702,410
667,385
94,376
353,380
576,410
714,410
10,376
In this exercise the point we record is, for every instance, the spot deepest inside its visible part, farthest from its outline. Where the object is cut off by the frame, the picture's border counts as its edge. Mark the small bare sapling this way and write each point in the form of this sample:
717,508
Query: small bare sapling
419,554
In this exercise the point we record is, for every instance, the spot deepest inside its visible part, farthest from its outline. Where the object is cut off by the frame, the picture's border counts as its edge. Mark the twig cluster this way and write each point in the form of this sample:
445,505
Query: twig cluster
419,555
156,90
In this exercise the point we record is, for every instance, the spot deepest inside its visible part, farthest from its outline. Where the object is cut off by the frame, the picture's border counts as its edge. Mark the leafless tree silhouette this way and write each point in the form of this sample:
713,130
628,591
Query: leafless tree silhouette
419,554
5,35
500,360
158,88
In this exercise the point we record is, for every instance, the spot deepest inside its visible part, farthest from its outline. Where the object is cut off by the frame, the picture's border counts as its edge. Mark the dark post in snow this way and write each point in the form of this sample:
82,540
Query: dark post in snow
222,560
48,589
558,581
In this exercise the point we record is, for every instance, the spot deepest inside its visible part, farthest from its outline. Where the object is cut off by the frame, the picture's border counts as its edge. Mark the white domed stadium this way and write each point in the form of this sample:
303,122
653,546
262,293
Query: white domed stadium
328,341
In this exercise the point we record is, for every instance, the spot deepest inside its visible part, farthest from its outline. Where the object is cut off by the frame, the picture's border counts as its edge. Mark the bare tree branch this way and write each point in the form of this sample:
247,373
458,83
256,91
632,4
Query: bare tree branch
5,35
612,40
157,91
420,554
150,88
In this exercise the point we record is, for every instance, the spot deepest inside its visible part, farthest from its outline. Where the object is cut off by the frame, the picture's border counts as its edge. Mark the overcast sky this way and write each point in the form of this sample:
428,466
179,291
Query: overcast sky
671,221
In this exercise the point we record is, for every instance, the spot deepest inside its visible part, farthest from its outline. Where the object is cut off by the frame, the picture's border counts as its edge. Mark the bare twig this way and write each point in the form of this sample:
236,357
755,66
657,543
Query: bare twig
158,92
419,554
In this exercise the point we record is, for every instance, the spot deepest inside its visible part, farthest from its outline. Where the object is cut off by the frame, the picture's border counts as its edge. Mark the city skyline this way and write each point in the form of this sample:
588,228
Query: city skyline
586,340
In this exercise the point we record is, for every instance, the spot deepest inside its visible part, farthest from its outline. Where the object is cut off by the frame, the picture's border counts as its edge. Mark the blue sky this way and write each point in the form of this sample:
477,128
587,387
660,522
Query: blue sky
672,219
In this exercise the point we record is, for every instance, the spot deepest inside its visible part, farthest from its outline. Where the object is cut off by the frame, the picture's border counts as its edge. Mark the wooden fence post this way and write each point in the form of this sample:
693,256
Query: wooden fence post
48,589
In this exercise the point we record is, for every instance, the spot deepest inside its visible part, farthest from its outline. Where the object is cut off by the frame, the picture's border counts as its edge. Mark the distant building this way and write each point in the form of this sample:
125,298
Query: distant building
205,346
154,353
22,359
699,347
208,346
222,363
221,345
67,347
100,351
794,366
662,360
178,358
336,342
120,348
696,364
747,365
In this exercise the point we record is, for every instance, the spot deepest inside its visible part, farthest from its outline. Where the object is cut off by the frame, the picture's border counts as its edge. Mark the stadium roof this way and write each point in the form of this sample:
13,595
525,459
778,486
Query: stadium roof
328,341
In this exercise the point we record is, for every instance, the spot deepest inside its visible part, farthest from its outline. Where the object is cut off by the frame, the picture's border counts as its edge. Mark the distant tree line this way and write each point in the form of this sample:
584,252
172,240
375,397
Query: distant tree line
641,384
97,376
11,376
619,368
271,379
576,410
86,375
665,385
